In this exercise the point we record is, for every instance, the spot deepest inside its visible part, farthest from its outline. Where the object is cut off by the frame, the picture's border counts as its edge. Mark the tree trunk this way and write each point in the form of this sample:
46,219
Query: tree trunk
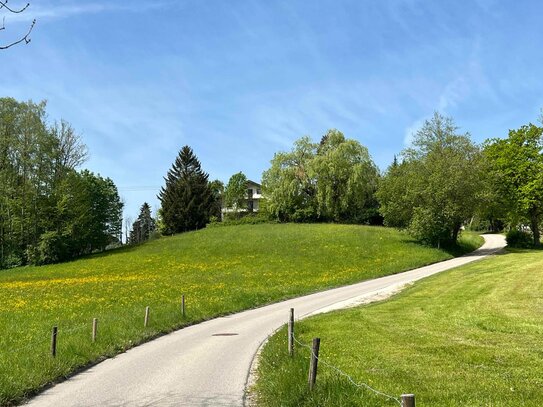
534,225
456,231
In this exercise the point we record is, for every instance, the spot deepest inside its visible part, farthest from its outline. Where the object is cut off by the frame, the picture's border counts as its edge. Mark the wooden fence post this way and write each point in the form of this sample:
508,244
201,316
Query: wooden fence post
146,320
291,333
408,400
94,329
314,362
54,341
183,305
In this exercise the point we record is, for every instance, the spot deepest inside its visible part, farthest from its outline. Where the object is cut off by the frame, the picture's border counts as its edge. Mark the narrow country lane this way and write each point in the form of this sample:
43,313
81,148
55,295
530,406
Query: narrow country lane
200,366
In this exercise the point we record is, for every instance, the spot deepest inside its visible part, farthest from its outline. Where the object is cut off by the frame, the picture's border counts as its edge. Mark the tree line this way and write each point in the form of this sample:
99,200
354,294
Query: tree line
49,210
52,211
441,183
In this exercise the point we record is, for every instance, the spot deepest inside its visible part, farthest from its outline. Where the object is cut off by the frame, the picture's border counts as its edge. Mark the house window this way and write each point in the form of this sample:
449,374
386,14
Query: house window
258,191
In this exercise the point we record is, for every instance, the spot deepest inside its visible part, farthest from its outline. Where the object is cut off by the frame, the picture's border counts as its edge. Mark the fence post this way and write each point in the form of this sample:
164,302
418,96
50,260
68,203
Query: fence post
146,320
94,329
54,341
291,333
313,363
183,305
408,400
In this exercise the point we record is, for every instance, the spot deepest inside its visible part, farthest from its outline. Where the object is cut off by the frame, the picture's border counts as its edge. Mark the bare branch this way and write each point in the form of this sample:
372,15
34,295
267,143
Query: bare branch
4,4
26,37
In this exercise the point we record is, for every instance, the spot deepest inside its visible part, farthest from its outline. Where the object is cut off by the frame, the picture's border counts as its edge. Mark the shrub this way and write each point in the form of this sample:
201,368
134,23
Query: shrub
248,219
519,238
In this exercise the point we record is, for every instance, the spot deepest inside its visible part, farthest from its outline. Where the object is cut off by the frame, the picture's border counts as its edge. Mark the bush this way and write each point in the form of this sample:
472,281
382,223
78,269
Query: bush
428,228
519,238
51,249
12,260
248,219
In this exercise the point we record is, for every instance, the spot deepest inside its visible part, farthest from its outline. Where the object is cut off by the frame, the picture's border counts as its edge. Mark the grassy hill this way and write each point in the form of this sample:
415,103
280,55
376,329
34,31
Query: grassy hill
472,336
220,270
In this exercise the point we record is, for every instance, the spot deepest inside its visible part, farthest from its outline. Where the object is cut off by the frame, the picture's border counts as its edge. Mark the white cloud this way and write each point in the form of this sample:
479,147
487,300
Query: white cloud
411,130
55,11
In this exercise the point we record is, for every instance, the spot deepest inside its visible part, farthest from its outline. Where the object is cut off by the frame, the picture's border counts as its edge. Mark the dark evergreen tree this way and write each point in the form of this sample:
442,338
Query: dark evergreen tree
144,226
186,199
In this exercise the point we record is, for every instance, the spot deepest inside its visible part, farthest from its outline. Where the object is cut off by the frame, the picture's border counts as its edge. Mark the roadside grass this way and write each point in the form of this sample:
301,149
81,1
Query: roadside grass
219,270
472,336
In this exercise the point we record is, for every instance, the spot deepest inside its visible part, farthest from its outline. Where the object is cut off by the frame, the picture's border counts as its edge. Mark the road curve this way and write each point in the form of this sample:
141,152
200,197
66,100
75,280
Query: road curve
197,367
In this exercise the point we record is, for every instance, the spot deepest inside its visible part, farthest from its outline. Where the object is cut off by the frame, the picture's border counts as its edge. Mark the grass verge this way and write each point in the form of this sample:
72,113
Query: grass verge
219,270
472,336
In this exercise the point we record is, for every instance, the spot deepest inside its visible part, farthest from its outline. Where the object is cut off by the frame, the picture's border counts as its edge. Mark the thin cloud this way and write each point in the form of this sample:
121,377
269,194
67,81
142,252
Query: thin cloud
58,12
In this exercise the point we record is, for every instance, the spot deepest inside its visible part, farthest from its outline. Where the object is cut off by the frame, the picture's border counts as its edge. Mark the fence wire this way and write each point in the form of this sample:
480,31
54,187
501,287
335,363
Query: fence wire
361,385
103,323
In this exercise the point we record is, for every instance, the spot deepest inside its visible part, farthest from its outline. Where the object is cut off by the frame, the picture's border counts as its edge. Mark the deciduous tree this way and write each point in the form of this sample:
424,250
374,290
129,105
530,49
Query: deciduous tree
235,193
517,168
333,180
438,185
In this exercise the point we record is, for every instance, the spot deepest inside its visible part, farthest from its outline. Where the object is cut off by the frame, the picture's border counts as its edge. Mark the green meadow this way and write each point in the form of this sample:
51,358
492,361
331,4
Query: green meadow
220,270
471,336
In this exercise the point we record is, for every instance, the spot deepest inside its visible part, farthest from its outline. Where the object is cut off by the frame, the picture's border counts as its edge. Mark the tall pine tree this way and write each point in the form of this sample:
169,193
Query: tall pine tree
186,199
144,226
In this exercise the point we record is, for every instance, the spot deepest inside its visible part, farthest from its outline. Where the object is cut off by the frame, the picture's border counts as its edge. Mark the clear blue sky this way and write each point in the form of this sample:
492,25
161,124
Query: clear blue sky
240,80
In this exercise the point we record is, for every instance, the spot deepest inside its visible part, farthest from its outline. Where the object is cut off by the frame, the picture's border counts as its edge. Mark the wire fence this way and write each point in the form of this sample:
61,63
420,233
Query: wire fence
349,378
170,315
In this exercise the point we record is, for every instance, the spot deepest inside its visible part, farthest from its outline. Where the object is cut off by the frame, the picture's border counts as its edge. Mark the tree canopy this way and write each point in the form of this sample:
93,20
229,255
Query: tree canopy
186,198
235,193
48,210
332,180
516,166
437,186
143,227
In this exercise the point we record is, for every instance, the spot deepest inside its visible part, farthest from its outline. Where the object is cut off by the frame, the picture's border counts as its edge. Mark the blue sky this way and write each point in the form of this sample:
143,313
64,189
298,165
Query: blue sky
241,80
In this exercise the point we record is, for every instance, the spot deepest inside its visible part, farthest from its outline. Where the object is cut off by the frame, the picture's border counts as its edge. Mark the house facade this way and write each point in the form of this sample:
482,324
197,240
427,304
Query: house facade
252,200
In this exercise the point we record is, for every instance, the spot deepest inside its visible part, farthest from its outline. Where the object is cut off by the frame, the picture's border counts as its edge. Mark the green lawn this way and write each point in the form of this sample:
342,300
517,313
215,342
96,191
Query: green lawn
220,270
472,336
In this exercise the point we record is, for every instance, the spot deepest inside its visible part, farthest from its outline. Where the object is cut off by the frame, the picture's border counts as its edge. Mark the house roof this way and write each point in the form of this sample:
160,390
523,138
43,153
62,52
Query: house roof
253,183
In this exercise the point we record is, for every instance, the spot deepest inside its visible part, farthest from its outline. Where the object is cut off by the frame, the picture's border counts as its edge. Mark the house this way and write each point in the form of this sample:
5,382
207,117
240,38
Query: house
254,195
253,198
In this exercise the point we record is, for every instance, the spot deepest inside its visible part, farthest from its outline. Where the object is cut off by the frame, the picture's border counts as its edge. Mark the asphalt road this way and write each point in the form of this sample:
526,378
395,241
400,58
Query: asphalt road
200,365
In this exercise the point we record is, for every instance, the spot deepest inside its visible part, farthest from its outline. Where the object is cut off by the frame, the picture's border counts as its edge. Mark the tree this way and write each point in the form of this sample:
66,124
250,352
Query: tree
235,193
437,186
48,211
289,186
516,164
186,198
144,226
346,179
333,180
217,194
25,37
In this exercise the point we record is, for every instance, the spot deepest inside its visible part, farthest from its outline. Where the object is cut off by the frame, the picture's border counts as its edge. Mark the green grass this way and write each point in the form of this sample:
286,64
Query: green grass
472,336
220,270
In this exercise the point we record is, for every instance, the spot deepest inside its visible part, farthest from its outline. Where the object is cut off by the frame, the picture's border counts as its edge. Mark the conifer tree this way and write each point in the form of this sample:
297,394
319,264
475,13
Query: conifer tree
144,226
186,199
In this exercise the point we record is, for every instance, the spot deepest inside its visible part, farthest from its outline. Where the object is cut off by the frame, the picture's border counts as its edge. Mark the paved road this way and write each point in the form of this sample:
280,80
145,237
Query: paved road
195,367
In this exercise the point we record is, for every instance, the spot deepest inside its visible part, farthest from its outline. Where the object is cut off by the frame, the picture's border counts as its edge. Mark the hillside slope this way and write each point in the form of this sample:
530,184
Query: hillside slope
219,270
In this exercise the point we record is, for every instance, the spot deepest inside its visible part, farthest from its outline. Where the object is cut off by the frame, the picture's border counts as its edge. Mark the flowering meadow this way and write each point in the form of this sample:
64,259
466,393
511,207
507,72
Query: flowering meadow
220,270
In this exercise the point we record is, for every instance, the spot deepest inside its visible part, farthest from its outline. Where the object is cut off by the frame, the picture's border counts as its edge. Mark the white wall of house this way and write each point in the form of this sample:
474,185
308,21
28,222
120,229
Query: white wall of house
255,194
